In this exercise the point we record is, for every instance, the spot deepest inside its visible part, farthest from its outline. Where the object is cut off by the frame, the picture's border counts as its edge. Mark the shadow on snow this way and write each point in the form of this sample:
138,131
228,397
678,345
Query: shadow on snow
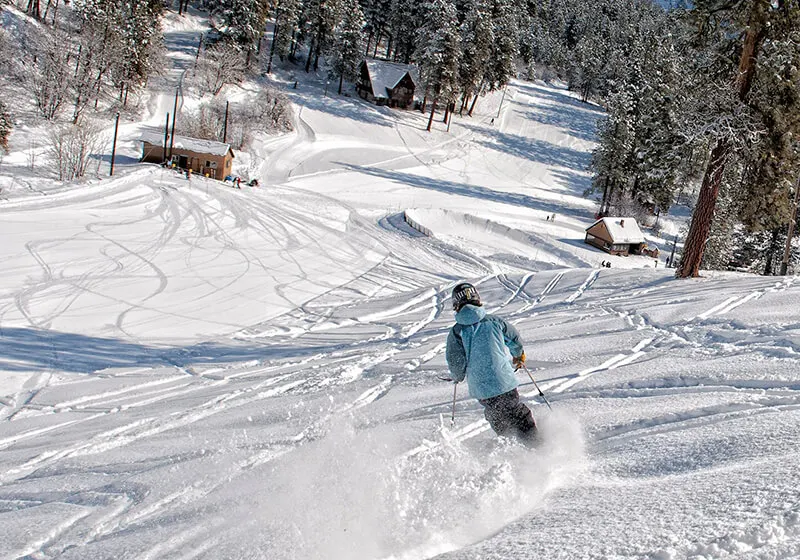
24,349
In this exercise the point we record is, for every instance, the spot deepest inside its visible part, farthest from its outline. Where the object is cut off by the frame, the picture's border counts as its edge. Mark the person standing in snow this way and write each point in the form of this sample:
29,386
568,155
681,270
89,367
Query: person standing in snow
476,350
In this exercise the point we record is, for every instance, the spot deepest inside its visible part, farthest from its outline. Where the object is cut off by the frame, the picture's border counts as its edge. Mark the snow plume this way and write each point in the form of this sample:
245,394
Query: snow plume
354,495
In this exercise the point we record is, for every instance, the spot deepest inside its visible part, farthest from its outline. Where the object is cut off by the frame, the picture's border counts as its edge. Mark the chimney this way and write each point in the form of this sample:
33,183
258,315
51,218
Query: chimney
622,223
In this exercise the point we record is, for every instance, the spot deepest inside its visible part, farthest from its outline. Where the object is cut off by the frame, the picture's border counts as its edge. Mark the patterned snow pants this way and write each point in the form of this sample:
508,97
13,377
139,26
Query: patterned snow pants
509,417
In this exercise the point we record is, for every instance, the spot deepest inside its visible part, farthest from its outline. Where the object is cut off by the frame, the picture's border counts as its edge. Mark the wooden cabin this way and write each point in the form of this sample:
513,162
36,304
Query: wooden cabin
206,157
387,83
617,236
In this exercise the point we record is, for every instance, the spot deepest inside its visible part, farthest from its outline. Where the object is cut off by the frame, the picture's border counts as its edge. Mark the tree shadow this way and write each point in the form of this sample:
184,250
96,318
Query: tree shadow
536,150
559,98
184,43
339,106
473,191
26,349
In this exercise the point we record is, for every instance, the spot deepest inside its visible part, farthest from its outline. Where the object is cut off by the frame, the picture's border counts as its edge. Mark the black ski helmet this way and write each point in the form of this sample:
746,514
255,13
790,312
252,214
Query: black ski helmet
463,294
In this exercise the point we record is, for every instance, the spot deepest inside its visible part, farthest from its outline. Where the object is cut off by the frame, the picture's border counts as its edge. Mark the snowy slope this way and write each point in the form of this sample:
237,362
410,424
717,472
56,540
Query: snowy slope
192,371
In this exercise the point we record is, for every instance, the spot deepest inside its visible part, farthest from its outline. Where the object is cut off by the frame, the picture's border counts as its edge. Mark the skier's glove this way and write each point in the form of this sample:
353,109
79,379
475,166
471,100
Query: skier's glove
518,361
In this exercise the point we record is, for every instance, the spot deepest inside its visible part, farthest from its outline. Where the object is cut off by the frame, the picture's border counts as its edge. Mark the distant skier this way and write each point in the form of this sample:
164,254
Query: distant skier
476,349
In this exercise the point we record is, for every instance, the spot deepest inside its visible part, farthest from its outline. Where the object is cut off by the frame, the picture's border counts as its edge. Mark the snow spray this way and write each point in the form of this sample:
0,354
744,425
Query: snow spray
355,494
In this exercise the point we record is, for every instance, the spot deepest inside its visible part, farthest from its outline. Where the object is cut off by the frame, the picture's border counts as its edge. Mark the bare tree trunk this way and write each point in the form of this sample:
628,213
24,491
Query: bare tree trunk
433,110
464,101
47,9
703,214
316,56
771,250
369,41
34,9
272,47
472,107
377,42
604,201
310,52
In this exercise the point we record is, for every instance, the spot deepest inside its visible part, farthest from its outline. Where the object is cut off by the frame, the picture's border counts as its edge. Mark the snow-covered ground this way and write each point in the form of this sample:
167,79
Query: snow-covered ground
193,371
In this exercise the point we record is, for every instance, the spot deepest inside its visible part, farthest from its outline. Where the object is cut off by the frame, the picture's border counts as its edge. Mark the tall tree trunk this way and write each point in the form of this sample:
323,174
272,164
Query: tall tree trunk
472,107
47,10
34,9
316,56
771,250
310,53
272,47
293,49
341,81
704,211
377,43
433,110
604,201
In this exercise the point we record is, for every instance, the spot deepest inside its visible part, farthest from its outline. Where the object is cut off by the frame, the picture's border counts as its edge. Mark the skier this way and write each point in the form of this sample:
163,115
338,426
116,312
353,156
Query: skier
476,349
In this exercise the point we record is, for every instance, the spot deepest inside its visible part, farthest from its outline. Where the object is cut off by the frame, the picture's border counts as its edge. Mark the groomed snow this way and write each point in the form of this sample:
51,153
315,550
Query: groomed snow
193,371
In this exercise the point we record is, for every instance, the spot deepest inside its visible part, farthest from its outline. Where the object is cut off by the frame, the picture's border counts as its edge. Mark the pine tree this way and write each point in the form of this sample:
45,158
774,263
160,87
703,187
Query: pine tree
746,27
404,20
243,22
438,52
287,18
505,46
347,46
320,18
6,126
477,40
377,15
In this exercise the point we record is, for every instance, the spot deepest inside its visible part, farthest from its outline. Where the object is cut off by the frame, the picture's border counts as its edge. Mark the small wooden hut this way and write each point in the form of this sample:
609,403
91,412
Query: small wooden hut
206,157
617,236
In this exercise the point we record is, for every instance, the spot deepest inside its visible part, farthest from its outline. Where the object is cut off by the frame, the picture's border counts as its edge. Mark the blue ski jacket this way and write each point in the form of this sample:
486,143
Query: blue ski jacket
476,349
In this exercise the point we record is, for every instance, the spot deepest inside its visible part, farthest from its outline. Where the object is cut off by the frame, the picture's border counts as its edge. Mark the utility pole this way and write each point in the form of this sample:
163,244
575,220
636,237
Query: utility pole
787,252
166,137
174,115
501,102
225,125
114,146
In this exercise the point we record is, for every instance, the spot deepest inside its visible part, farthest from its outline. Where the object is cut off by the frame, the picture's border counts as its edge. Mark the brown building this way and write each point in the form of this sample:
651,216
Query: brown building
617,236
387,83
206,157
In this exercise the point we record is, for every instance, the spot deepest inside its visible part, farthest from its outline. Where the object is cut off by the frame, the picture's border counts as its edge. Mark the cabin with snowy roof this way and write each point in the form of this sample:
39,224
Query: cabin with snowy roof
206,157
617,236
387,83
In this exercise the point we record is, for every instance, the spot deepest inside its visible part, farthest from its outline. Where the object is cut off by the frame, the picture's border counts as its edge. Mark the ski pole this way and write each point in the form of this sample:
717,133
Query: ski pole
453,415
537,386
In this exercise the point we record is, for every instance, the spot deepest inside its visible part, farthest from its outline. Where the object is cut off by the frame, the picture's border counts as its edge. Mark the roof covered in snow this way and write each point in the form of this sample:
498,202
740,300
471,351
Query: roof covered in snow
621,230
186,143
386,75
